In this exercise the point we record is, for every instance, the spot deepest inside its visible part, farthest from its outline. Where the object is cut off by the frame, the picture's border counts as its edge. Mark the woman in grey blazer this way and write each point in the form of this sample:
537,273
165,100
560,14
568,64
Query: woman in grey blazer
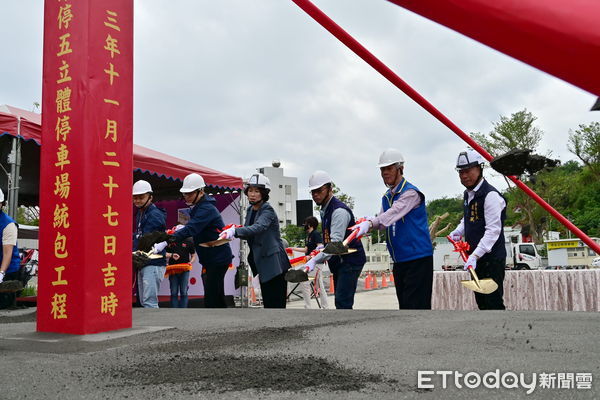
267,256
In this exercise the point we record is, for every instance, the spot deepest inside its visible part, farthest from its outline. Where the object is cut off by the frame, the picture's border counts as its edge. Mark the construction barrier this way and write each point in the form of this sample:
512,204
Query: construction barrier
331,284
384,283
368,281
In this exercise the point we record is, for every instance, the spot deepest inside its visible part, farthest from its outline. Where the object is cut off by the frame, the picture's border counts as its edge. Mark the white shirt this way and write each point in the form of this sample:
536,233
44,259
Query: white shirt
9,235
492,210
408,201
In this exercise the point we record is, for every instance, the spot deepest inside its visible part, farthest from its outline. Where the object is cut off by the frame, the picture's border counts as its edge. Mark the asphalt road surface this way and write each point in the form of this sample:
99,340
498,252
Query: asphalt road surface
308,354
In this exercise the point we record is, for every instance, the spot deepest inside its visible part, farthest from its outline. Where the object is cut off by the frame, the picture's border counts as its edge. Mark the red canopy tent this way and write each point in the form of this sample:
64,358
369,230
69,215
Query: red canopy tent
163,171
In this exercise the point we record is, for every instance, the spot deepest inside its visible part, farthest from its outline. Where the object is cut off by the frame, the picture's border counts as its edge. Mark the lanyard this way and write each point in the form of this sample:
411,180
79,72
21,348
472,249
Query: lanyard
393,194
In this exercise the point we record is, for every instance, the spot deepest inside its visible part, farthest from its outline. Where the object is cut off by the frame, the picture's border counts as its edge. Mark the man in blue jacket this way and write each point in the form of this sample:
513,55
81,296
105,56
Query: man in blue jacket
204,226
404,218
148,218
10,261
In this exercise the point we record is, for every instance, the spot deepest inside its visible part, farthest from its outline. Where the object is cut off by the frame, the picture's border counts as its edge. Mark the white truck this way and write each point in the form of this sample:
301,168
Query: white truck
520,255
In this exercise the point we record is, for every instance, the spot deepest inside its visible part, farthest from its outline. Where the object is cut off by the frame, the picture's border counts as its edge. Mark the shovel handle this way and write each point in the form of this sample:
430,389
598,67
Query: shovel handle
475,277
297,260
350,237
458,247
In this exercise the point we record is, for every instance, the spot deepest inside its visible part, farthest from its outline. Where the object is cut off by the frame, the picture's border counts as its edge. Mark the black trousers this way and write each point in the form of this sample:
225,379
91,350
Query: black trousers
414,283
274,292
491,268
8,299
345,280
213,279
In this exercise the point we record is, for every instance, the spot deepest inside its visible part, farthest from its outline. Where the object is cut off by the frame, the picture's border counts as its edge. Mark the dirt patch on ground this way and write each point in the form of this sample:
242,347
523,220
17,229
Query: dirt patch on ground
248,338
224,372
237,361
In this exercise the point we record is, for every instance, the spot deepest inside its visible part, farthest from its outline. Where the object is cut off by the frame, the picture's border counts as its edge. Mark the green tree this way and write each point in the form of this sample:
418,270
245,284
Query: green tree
451,205
294,235
28,216
585,144
572,190
343,197
516,132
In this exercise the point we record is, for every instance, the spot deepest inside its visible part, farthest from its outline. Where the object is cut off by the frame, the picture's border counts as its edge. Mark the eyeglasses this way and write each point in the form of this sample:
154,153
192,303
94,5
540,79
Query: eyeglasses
317,191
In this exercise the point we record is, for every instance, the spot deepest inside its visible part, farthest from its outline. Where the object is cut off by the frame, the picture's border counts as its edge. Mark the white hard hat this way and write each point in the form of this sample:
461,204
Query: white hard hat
141,187
1,196
469,158
192,182
258,180
318,179
389,157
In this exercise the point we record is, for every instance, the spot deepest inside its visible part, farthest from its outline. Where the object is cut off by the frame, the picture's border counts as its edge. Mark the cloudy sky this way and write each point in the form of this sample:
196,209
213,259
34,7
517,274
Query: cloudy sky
235,84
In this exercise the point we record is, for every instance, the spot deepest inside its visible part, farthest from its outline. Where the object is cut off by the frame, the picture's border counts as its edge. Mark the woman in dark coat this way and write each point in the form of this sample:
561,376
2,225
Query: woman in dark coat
267,256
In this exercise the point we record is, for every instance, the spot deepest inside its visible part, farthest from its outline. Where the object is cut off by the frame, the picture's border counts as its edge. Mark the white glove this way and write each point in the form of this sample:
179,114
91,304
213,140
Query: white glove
158,247
471,263
178,227
1,276
228,233
455,236
310,265
362,227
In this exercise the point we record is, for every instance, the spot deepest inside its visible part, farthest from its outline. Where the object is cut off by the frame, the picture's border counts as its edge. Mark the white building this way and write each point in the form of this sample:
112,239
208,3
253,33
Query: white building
284,193
570,253
378,256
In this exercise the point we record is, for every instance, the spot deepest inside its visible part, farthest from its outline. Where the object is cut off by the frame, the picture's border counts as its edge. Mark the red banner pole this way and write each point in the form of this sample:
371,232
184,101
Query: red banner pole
84,281
380,67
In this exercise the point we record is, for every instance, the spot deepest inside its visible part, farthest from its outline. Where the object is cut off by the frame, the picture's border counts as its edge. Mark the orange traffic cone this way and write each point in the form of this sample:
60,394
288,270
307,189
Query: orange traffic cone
331,284
252,295
384,283
368,281
392,279
375,285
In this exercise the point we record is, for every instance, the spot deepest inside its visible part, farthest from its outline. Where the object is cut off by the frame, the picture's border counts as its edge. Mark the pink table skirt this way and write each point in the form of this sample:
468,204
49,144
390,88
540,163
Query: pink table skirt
556,290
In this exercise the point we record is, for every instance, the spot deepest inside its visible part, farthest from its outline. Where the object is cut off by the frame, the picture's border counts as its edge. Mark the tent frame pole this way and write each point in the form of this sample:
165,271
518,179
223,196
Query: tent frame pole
14,160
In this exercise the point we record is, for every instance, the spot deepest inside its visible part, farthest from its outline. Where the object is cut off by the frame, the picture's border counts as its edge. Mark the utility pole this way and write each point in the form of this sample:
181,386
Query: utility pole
14,160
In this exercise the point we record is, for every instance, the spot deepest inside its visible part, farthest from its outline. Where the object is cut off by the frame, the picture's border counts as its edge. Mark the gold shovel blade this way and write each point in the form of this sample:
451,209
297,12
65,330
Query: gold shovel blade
148,254
335,248
486,286
348,252
10,286
214,243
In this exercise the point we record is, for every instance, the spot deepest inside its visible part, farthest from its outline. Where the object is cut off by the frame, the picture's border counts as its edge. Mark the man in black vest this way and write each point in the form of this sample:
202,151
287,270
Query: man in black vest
482,226
336,218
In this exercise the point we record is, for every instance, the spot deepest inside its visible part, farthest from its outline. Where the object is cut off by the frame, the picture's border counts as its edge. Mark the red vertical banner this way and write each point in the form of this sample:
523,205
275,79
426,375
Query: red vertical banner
86,167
